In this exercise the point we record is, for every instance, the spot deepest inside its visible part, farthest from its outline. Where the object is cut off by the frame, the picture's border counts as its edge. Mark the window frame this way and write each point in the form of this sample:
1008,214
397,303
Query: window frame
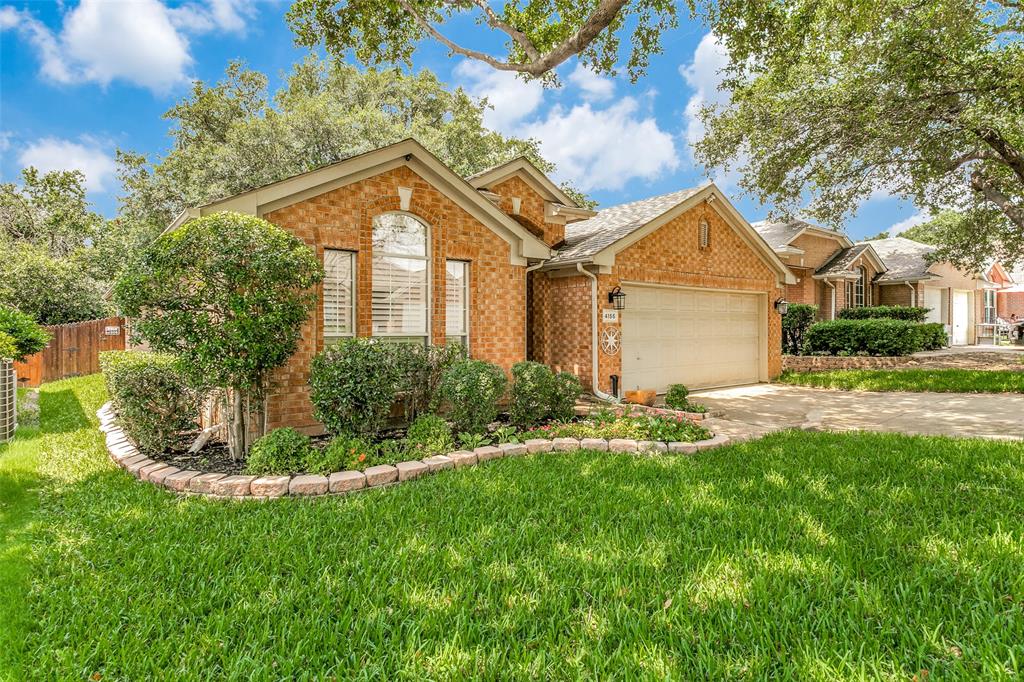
989,319
426,338
353,297
466,300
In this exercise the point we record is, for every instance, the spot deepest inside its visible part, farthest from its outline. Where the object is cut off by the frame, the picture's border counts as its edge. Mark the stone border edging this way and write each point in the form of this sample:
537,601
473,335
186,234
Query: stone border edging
245,487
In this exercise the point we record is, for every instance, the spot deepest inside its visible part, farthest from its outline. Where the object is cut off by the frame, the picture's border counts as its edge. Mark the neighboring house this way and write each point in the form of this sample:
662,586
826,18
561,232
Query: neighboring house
831,271
1010,295
507,264
963,302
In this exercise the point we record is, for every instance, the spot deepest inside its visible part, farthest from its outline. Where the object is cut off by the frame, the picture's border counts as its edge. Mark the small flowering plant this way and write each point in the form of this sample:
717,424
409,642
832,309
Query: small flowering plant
345,452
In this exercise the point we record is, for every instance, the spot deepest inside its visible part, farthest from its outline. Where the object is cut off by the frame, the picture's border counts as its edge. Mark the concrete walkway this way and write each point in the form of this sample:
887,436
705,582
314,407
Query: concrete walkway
751,411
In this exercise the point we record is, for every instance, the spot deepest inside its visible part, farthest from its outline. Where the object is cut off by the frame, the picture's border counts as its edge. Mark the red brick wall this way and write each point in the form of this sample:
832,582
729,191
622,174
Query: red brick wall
670,255
1010,302
531,209
343,219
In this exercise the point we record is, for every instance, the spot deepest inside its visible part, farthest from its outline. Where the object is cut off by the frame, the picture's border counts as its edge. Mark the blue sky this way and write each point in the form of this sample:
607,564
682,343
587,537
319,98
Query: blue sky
81,79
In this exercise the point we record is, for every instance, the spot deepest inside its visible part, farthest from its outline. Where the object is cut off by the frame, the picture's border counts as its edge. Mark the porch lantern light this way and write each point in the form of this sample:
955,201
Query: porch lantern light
617,298
782,305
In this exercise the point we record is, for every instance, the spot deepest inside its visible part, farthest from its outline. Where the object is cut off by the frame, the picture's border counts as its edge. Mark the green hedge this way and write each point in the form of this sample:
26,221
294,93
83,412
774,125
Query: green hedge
155,401
873,337
27,337
887,312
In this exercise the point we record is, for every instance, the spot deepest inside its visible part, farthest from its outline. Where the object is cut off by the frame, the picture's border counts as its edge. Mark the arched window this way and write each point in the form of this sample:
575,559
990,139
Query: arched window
401,278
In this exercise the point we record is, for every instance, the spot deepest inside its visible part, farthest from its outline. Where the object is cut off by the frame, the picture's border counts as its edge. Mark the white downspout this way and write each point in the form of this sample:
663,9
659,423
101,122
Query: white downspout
832,308
593,335
913,294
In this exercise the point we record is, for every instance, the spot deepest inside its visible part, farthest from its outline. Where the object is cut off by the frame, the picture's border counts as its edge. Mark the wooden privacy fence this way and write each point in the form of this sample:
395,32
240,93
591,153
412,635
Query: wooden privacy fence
74,350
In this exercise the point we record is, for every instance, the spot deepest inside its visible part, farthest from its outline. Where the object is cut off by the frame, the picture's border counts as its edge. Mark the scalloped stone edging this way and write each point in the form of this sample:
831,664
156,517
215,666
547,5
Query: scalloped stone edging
244,487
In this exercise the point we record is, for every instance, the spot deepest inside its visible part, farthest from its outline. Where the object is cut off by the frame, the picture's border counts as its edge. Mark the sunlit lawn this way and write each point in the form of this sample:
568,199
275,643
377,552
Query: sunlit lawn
913,380
799,556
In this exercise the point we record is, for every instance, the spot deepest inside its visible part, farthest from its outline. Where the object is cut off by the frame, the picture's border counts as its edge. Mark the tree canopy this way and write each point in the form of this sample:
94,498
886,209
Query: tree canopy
233,136
835,101
538,35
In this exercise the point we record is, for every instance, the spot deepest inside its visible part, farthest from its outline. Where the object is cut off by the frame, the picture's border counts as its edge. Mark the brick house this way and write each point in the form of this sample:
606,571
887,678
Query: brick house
831,271
1010,295
507,264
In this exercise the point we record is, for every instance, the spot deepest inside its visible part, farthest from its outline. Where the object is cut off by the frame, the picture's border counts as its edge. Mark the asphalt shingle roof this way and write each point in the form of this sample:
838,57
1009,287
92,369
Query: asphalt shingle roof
779,235
585,238
904,258
842,261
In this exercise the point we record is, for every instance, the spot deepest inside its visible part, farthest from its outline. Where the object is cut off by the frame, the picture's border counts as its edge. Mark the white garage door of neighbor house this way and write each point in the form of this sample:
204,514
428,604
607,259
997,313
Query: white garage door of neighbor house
933,301
690,336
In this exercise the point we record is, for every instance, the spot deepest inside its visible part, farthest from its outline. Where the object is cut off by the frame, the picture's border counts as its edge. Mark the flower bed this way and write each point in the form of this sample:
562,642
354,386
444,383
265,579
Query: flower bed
263,487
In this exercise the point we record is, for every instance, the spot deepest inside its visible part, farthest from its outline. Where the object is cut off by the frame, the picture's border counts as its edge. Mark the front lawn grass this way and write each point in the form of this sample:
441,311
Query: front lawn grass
912,380
798,556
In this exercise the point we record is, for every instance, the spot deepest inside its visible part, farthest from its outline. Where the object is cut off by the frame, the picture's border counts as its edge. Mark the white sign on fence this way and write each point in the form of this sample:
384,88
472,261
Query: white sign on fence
112,330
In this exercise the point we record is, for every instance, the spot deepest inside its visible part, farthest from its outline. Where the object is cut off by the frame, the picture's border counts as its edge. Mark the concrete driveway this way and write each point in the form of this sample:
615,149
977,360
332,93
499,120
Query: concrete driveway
753,410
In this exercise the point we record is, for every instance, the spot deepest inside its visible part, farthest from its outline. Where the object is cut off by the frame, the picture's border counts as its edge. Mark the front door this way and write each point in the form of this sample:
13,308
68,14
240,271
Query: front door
961,317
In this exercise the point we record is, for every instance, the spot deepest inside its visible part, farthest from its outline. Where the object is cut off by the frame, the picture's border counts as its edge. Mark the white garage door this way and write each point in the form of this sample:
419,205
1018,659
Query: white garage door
690,336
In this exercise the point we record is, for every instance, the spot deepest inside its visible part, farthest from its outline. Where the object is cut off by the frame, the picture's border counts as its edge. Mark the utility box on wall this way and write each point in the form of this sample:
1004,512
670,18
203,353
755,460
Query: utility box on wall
8,401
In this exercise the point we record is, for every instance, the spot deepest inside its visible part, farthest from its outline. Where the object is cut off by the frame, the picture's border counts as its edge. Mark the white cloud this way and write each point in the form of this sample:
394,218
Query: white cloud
907,223
141,42
604,148
595,88
50,153
594,148
511,98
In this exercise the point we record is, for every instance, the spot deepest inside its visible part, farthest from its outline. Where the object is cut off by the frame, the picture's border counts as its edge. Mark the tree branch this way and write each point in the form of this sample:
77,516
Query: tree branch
538,64
982,184
1010,155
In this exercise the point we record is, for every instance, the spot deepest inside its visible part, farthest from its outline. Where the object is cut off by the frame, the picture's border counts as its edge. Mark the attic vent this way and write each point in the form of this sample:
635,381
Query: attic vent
703,233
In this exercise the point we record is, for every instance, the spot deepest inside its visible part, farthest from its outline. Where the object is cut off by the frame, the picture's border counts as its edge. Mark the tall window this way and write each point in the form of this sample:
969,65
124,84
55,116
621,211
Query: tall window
339,299
457,302
990,306
401,276
855,289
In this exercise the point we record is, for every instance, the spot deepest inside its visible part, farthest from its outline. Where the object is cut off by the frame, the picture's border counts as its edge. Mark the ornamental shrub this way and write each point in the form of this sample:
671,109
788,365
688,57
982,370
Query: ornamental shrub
354,384
471,390
155,399
795,323
888,312
429,435
229,294
932,335
676,397
282,451
533,386
566,388
884,337
422,368
8,349
29,338
345,452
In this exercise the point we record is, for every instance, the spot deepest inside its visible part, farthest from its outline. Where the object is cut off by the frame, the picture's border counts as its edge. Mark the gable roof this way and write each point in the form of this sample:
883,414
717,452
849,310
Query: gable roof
525,169
841,264
613,229
408,152
780,235
905,259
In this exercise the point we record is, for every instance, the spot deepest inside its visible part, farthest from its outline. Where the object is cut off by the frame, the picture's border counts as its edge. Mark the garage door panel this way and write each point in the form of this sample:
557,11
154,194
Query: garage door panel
698,338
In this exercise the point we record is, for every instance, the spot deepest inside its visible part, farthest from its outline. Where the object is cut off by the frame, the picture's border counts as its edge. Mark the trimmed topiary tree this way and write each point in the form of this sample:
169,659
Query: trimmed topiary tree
227,293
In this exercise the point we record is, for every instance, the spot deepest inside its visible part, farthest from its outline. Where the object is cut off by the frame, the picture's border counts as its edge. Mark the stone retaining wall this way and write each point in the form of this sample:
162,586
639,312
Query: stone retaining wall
821,363
222,486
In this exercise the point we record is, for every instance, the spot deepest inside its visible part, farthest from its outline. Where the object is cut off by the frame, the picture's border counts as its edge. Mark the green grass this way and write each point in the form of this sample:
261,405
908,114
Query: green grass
800,556
913,380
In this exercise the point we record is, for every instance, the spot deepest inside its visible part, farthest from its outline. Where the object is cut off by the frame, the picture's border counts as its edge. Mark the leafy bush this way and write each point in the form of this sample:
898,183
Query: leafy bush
888,312
932,336
798,318
506,434
282,451
343,453
533,386
676,397
566,388
155,399
228,293
469,441
8,349
354,384
29,338
429,435
867,337
422,368
471,389
646,427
